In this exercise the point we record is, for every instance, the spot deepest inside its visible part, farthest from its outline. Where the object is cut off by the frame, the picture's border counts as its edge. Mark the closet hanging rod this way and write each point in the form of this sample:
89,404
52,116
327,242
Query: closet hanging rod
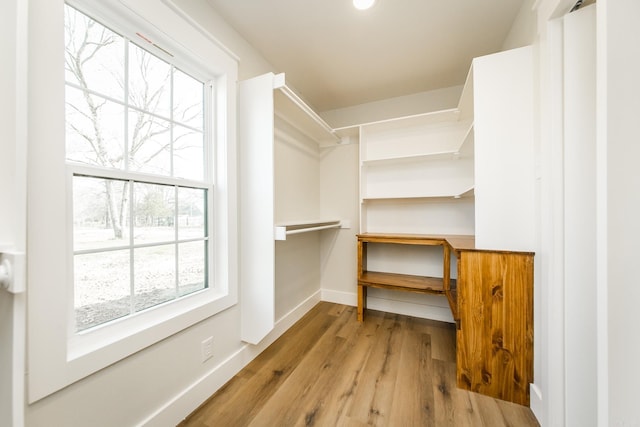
282,231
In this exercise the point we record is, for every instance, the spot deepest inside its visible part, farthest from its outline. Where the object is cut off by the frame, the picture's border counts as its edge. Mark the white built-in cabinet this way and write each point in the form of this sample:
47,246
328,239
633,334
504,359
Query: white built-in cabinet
505,175
467,170
417,172
279,137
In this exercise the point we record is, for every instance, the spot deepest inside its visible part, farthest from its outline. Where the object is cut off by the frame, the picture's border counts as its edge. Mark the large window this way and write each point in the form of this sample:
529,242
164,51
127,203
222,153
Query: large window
132,183
136,147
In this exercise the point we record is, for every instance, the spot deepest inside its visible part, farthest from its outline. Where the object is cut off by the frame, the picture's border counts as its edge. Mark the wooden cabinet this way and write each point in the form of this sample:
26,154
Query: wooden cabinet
494,342
491,301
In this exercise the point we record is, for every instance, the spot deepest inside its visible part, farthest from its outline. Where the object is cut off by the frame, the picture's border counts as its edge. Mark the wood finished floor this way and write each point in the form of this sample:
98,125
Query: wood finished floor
330,370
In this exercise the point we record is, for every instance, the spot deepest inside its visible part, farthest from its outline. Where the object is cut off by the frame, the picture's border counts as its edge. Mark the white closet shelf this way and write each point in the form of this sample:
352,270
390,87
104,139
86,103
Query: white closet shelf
296,112
466,193
444,155
282,230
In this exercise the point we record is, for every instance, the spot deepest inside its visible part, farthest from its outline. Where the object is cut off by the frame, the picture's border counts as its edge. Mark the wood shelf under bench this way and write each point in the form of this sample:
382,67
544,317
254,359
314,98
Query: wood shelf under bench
444,285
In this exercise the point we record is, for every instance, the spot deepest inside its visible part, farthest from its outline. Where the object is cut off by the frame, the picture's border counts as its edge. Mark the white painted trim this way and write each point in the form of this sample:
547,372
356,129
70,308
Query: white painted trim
549,372
178,11
536,402
602,208
339,297
187,400
19,333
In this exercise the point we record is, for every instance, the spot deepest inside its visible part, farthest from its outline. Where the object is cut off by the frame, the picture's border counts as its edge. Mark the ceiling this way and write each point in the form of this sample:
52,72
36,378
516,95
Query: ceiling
336,56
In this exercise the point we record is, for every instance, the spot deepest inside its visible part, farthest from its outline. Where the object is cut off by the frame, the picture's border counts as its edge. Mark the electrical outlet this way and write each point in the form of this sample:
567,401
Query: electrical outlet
207,349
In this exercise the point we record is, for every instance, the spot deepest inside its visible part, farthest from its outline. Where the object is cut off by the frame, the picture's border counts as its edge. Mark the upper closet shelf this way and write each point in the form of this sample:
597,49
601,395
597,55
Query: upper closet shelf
464,150
282,230
292,109
431,118
467,192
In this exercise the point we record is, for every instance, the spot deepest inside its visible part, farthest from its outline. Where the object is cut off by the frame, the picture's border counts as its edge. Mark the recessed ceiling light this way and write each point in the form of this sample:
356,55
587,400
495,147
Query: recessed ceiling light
363,4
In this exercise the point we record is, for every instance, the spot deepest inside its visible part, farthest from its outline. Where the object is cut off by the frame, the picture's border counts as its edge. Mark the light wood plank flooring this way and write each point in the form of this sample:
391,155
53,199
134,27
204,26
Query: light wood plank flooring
330,370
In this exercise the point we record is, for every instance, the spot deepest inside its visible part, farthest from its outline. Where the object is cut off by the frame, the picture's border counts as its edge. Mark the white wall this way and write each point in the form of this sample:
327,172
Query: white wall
523,30
7,116
580,215
619,102
339,199
13,203
297,196
7,138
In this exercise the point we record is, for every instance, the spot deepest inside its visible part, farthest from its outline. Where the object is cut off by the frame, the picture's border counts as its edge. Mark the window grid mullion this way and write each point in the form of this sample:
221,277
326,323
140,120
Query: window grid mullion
171,123
132,307
136,246
208,137
176,225
131,107
126,104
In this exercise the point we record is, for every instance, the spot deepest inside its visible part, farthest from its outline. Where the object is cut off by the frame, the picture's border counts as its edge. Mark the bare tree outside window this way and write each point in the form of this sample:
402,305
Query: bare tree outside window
128,110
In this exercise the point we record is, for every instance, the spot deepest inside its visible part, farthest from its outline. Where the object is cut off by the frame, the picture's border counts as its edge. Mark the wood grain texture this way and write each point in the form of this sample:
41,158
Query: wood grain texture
495,337
402,282
331,370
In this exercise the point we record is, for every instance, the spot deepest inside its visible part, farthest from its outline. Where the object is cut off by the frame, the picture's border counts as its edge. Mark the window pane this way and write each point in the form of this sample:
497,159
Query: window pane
155,275
94,129
188,100
192,213
94,55
100,213
149,144
102,288
154,210
188,153
191,267
129,110
149,82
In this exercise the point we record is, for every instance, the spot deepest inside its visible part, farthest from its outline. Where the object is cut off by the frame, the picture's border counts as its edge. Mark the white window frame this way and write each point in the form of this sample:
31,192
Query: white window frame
57,355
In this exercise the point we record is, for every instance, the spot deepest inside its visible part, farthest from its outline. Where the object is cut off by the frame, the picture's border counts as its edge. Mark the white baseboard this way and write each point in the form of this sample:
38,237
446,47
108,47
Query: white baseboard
536,404
339,297
185,402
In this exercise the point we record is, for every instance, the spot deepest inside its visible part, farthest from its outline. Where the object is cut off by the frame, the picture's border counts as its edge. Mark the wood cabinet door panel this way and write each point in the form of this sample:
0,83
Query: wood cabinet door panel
495,337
